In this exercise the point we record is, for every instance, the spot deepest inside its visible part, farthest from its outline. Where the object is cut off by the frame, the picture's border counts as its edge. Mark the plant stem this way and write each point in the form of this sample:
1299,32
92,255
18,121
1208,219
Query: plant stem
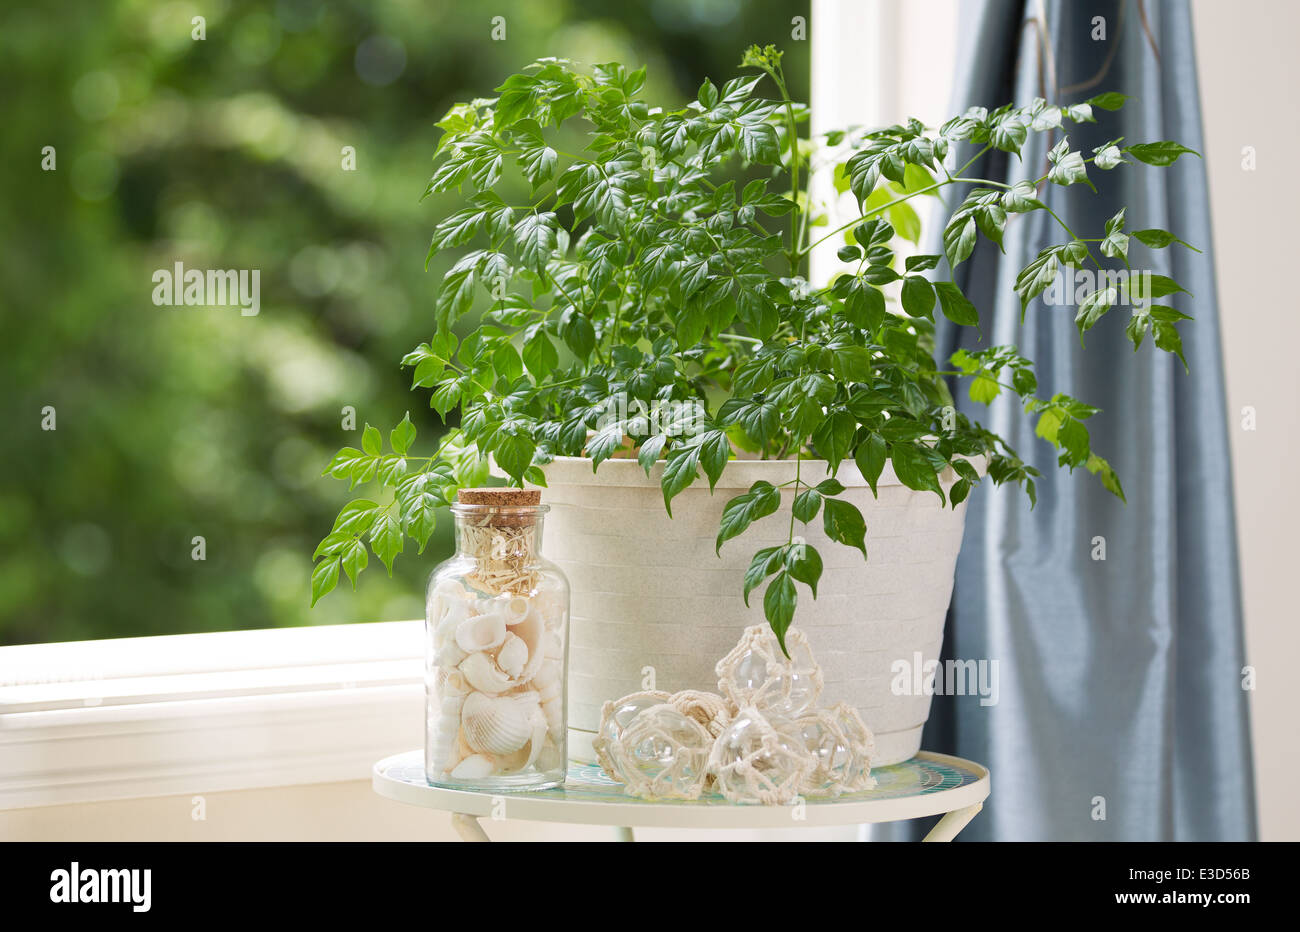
792,131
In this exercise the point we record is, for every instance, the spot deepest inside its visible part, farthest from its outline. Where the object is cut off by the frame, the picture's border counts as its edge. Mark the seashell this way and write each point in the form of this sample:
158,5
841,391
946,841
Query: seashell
532,631
474,767
450,589
498,725
547,681
513,655
449,613
515,609
553,647
481,632
449,655
449,681
550,758
553,709
445,733
537,718
482,673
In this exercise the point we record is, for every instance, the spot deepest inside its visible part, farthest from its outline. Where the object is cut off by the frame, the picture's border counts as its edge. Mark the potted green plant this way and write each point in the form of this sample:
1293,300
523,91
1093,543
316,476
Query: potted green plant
646,318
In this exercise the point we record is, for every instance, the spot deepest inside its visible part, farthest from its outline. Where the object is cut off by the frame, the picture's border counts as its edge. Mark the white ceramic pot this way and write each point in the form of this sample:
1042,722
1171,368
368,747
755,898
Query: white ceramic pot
652,600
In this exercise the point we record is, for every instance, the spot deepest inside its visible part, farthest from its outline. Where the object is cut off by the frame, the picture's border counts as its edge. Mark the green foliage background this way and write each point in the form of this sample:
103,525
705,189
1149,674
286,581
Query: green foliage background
176,422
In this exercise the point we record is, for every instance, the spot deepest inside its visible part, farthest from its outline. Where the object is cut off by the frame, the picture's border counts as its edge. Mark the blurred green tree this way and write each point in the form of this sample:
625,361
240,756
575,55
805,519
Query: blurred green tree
293,137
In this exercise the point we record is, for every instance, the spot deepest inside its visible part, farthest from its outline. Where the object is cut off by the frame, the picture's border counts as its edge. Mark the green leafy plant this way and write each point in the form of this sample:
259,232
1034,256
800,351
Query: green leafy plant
628,257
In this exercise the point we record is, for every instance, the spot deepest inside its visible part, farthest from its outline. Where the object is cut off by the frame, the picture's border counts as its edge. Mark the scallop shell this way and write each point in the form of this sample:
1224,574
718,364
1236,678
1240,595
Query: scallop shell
513,655
482,673
481,632
498,725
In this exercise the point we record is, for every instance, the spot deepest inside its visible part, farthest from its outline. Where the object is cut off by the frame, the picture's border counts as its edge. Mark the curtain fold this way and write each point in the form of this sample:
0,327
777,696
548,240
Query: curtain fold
1121,713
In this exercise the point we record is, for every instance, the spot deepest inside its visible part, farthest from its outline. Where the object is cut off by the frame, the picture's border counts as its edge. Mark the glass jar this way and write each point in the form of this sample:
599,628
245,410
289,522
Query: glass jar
496,642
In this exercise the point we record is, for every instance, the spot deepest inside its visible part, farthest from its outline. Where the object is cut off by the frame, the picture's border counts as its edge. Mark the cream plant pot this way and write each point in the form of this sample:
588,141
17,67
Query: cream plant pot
652,602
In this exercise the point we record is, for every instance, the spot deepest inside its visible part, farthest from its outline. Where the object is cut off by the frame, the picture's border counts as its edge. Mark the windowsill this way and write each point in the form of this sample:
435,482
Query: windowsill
95,720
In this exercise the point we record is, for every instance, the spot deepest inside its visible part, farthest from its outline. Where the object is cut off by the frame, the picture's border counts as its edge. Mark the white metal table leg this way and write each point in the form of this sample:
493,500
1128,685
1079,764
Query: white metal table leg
946,829
467,827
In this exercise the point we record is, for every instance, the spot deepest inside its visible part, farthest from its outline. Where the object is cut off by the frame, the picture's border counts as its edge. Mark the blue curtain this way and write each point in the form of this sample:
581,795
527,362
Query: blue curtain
1120,679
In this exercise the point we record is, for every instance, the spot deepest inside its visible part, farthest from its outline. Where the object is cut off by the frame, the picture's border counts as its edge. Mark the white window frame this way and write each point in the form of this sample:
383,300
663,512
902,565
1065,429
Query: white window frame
195,713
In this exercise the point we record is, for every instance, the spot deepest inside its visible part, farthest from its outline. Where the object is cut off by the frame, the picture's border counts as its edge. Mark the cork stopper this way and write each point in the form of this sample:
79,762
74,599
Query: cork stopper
500,497
499,507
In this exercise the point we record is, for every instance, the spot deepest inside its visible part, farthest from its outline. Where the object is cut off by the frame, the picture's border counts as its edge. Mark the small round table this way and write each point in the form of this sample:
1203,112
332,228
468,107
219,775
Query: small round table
928,784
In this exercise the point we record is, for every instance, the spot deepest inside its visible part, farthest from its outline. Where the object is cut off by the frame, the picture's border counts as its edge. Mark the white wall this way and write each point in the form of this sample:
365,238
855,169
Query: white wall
1249,73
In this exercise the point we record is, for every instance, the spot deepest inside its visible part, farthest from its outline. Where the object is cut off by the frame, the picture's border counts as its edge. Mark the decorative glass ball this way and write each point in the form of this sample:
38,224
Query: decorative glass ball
661,754
757,673
759,760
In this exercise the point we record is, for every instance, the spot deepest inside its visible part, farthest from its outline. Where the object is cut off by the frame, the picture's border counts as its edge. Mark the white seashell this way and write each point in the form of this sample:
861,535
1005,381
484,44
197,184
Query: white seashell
516,610
474,767
449,655
481,632
482,606
553,709
482,673
540,727
554,647
443,748
498,725
550,759
532,631
513,655
547,681
448,681
450,613
451,589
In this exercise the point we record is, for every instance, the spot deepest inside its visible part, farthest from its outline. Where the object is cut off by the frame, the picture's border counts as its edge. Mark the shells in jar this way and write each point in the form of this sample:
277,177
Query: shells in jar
481,632
482,673
498,725
513,655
